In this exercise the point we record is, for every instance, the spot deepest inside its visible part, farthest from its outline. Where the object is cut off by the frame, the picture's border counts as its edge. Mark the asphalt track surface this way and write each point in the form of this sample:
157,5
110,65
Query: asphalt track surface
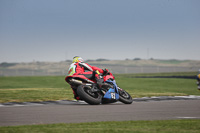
78,112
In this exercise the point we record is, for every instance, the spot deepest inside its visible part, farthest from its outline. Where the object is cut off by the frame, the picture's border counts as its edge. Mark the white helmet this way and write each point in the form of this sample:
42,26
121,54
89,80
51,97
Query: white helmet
77,59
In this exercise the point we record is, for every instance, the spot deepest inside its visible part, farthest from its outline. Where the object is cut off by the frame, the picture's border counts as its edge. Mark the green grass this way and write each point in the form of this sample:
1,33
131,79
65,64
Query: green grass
158,126
42,88
32,82
45,88
141,87
157,74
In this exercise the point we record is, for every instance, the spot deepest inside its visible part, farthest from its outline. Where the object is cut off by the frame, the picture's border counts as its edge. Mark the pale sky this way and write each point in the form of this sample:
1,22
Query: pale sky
57,30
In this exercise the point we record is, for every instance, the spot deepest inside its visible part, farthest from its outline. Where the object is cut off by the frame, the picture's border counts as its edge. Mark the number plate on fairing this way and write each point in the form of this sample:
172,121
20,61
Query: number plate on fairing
111,94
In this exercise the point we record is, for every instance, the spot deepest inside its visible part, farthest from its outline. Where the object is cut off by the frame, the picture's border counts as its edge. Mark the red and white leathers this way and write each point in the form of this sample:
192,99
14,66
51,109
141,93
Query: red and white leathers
81,68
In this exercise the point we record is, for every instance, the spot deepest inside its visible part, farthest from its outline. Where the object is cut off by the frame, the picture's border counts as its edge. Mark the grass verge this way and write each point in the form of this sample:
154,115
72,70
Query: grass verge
157,126
46,88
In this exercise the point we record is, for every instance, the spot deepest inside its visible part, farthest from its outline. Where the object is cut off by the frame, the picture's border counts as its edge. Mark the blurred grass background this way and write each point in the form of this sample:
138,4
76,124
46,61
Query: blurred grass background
46,88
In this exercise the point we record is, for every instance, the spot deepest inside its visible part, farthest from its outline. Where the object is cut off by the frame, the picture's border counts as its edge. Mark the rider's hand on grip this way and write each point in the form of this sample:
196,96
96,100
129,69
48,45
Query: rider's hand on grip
105,71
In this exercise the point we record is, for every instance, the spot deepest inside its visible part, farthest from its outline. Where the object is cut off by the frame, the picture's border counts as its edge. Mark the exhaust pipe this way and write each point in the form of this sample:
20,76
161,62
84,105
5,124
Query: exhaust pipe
79,82
75,81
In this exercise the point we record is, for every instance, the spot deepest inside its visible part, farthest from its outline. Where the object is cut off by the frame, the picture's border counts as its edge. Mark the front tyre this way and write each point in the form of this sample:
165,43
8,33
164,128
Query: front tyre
125,97
85,93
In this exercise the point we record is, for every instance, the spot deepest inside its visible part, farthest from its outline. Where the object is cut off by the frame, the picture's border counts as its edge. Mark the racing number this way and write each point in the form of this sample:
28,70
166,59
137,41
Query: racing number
113,95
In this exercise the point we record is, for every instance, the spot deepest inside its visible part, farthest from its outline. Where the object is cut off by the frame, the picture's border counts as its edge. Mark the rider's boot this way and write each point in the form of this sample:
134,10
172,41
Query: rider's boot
76,96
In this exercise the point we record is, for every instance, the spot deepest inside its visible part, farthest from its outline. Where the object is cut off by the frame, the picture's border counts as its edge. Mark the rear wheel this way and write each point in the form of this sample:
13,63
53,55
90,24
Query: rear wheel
85,93
125,97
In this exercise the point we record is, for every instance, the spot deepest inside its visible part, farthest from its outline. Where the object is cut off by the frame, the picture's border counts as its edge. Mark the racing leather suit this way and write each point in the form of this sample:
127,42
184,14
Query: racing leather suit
90,72
81,68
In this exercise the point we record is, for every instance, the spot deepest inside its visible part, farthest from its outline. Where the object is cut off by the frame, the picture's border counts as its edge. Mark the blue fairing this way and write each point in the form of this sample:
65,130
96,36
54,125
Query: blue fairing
112,93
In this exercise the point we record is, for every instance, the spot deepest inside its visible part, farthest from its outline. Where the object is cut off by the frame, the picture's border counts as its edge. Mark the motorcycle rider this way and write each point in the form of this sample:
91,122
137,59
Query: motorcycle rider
198,80
78,67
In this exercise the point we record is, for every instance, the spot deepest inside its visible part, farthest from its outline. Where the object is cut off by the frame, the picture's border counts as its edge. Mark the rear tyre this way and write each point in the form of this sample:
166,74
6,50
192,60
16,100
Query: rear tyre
85,93
125,97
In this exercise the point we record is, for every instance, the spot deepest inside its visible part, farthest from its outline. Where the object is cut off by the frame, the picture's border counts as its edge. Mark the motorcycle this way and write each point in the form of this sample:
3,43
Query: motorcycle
89,92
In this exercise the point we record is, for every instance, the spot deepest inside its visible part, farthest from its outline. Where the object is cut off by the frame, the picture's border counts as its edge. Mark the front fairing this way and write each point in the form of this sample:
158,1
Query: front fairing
108,77
112,93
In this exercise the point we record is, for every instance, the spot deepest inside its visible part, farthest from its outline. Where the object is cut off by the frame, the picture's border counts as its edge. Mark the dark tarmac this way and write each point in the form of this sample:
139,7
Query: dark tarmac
78,112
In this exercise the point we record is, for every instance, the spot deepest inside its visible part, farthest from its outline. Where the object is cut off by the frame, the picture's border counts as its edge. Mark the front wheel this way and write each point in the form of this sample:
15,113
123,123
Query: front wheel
85,93
125,97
